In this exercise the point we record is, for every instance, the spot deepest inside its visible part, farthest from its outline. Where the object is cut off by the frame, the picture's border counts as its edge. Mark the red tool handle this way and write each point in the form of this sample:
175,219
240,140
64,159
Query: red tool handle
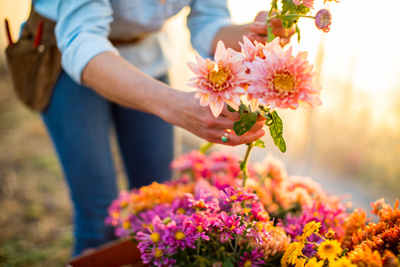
8,33
38,36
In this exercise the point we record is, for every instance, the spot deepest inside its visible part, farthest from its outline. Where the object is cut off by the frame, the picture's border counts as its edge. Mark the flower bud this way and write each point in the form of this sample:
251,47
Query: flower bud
323,20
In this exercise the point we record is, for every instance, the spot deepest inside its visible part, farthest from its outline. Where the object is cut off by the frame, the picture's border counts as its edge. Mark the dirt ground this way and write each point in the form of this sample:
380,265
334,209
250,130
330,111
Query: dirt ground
35,219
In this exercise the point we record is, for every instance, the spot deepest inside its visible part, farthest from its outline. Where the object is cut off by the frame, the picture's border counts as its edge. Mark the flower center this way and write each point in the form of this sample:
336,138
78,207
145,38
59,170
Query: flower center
283,82
259,226
200,229
179,235
159,253
155,237
127,225
247,263
218,79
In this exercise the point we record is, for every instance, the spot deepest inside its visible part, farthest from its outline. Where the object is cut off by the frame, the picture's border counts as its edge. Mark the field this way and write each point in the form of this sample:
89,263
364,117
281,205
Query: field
35,216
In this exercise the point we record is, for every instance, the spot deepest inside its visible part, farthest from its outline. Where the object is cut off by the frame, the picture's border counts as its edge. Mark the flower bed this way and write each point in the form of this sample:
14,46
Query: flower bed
205,218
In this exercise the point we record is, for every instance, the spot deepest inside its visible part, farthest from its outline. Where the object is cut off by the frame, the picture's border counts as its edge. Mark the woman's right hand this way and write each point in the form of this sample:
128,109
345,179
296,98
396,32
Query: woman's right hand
199,120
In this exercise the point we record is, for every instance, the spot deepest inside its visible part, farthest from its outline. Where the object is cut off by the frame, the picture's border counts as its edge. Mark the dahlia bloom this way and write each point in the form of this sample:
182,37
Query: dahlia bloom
220,81
282,80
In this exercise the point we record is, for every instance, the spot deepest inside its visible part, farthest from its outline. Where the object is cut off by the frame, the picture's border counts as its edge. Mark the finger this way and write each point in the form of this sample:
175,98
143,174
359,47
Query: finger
256,37
234,140
259,28
231,115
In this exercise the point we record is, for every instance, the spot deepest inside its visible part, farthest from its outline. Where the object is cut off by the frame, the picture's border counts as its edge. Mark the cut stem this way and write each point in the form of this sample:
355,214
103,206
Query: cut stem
243,164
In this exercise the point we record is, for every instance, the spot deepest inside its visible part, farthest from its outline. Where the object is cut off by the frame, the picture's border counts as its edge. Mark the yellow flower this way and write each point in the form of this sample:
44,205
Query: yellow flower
313,262
310,228
342,262
292,253
330,234
329,249
288,252
300,262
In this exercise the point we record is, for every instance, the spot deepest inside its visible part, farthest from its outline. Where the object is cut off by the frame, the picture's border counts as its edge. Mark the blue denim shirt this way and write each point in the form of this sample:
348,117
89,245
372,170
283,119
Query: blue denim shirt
84,26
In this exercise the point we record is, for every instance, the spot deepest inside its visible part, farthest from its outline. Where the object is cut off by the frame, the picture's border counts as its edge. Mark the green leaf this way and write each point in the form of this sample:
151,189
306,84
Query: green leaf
288,6
228,262
231,109
271,37
302,10
276,130
201,261
274,4
247,120
259,143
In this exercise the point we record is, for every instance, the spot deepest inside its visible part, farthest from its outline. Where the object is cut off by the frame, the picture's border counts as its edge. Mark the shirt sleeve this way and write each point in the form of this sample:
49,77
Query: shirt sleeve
82,33
205,19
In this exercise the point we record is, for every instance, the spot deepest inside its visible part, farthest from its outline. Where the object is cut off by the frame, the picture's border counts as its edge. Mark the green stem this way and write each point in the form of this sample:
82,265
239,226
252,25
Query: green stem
230,244
205,147
187,257
291,16
243,165
198,247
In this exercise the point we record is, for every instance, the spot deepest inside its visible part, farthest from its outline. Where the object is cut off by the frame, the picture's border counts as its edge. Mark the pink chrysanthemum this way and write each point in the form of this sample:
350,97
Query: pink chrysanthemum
221,81
323,20
307,3
240,194
282,80
254,259
229,226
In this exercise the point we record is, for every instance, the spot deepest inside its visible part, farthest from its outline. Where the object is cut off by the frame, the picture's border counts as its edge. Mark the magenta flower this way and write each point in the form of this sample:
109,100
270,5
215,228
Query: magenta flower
254,259
323,20
152,236
282,80
180,233
221,81
157,256
229,225
257,231
193,163
233,195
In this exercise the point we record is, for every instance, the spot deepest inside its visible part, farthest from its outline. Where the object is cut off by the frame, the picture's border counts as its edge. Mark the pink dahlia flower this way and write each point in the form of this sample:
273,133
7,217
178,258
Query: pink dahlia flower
219,81
323,20
282,80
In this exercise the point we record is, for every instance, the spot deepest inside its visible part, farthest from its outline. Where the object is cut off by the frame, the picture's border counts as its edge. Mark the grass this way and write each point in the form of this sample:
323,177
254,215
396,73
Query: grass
36,212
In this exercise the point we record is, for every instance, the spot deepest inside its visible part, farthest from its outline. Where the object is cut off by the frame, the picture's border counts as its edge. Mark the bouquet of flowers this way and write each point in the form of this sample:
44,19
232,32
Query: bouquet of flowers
222,211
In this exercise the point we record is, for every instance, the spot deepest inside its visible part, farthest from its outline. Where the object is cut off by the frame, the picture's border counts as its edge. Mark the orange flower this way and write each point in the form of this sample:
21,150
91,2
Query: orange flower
365,257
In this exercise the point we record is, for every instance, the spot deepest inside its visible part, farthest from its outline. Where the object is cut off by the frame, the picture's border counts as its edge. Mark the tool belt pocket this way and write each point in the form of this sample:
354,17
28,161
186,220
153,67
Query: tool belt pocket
34,62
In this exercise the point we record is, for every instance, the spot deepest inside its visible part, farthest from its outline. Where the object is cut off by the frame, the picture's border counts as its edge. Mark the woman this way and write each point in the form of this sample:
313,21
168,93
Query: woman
115,74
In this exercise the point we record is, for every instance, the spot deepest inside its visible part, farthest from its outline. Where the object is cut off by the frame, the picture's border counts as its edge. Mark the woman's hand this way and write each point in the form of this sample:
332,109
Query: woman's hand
259,30
200,121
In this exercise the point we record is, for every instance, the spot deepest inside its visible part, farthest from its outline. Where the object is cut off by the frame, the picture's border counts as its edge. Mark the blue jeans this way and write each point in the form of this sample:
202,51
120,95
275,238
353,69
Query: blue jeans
80,122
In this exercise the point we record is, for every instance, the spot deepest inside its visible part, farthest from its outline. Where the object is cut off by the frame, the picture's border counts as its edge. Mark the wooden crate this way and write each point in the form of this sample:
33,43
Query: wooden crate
122,252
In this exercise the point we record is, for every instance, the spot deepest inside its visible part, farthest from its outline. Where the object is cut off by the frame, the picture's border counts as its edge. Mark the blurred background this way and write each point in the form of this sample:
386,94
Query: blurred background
350,144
